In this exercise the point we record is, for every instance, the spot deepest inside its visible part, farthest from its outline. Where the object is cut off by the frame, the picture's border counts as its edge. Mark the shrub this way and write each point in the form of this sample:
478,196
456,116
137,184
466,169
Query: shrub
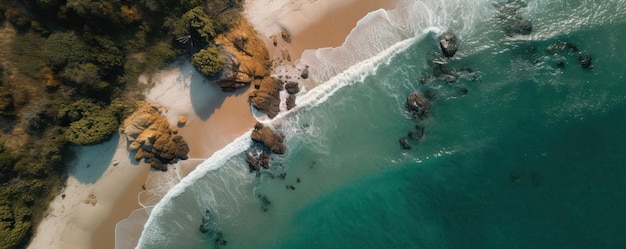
197,24
208,62
92,129
6,102
65,47
77,110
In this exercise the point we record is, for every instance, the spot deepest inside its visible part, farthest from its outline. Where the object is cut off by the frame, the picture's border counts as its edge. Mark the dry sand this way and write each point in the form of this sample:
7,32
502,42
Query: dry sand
214,120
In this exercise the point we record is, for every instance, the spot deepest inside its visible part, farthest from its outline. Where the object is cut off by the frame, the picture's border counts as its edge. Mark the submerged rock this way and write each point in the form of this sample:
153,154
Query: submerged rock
405,144
585,61
448,43
270,138
417,105
511,20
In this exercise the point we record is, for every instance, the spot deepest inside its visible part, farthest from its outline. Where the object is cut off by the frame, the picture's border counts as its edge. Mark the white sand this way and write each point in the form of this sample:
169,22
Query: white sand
71,222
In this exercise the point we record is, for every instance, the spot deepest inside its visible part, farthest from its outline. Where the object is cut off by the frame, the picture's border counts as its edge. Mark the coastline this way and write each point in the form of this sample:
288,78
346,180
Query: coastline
213,122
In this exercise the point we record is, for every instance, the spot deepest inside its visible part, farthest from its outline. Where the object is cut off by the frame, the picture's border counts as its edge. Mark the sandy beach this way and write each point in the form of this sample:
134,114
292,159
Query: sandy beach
84,215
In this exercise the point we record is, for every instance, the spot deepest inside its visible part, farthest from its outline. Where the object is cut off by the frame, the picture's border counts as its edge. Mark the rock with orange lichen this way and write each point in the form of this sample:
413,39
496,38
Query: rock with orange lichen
266,98
151,137
247,58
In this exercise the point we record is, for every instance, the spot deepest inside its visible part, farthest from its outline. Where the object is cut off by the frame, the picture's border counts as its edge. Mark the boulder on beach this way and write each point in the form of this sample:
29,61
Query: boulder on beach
245,55
417,105
448,43
266,97
292,87
182,121
151,137
269,138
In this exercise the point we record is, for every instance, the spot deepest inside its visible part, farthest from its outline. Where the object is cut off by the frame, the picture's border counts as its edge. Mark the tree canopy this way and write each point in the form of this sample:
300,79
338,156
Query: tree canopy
208,61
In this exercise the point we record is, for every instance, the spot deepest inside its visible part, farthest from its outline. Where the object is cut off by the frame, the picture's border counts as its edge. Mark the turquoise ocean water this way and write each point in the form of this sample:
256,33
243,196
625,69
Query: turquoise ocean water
533,156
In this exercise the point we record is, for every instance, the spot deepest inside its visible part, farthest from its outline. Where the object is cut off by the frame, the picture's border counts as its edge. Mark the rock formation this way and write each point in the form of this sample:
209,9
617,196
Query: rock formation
291,101
150,136
292,87
417,105
448,45
258,160
247,58
266,97
269,138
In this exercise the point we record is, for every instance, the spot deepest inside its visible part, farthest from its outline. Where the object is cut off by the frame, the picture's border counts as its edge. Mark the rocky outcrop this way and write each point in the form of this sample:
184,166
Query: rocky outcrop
269,138
247,58
448,44
417,105
266,97
258,160
150,137
291,101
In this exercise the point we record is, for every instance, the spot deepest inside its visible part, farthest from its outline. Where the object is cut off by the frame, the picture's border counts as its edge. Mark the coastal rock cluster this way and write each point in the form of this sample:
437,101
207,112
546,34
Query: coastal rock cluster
151,138
287,79
270,140
245,55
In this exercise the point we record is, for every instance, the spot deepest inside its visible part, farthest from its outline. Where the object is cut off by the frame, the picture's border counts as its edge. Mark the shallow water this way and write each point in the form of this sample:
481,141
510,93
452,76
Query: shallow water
531,157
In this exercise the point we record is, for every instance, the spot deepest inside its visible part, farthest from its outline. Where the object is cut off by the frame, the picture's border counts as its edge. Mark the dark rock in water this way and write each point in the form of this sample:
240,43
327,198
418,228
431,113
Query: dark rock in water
282,176
417,105
265,203
585,61
305,73
463,90
441,70
298,180
448,43
405,144
430,94
511,20
518,26
258,160
416,134
560,63
268,137
292,87
291,187
562,46
424,78
450,79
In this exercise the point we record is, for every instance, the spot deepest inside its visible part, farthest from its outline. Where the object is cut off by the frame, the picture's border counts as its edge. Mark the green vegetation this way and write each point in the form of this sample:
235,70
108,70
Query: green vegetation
208,62
68,79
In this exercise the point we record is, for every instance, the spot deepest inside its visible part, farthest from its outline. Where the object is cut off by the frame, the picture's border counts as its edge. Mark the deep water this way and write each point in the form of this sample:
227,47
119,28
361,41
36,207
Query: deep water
532,156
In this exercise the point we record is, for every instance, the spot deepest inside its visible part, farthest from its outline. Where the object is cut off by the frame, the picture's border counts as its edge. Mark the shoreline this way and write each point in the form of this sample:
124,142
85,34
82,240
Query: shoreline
210,127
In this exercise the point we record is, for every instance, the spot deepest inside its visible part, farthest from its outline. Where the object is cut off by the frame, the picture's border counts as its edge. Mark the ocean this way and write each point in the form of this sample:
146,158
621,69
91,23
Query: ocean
524,150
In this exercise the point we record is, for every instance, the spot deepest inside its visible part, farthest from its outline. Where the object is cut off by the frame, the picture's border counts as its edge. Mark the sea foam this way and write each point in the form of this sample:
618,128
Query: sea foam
378,37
